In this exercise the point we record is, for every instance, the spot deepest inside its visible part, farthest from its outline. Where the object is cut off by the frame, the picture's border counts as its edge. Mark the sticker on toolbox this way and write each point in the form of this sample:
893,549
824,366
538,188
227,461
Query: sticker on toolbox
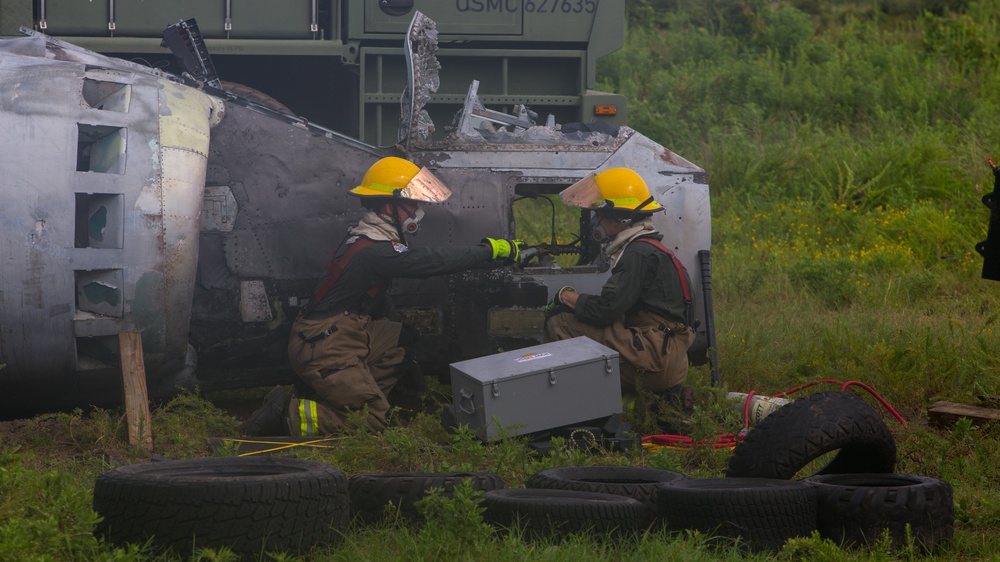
533,356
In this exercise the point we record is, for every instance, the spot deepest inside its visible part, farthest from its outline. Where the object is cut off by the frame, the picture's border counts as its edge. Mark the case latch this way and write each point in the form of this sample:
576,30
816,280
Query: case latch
552,376
495,389
607,364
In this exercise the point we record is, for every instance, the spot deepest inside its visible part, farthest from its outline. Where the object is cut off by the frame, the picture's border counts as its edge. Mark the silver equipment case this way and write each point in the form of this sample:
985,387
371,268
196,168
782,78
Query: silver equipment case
536,388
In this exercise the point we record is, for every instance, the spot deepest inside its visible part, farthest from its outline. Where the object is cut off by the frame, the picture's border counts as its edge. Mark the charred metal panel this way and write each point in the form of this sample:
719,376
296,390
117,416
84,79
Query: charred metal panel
254,306
290,186
218,213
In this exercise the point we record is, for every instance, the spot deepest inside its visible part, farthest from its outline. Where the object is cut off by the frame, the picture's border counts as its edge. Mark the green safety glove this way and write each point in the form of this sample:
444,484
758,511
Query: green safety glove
556,301
504,249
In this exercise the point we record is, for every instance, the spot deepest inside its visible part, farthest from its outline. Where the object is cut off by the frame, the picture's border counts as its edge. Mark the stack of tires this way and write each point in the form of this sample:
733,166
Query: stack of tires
853,500
859,499
268,504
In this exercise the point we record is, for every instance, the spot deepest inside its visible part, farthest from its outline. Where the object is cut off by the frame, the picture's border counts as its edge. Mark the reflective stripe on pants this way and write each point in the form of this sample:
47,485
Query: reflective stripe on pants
307,417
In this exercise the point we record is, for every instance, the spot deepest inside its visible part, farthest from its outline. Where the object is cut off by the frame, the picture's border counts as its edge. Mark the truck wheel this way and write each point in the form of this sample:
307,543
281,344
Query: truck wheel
787,440
371,493
638,483
247,504
557,513
857,509
762,512
255,96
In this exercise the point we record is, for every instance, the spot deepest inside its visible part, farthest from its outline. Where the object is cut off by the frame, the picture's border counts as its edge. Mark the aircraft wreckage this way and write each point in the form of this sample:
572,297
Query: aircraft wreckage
141,201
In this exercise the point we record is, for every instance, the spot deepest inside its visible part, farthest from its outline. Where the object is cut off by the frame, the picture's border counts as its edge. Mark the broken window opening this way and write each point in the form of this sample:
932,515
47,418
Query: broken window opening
101,148
99,220
556,235
100,291
93,353
107,96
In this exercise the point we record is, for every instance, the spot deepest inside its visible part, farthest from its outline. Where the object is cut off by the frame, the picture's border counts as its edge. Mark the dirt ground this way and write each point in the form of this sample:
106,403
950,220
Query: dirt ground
54,436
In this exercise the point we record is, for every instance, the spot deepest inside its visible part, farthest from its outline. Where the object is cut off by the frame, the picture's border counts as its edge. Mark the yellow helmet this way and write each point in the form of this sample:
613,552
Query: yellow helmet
614,189
622,188
396,177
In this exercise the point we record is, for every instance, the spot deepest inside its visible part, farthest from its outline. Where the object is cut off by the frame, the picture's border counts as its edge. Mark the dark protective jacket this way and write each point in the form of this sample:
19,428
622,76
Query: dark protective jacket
644,278
379,263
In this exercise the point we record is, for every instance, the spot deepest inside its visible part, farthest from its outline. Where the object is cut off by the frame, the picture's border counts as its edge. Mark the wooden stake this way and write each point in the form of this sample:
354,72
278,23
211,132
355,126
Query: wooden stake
134,384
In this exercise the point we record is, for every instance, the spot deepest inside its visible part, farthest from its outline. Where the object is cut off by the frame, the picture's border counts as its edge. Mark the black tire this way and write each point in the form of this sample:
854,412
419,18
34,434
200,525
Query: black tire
791,437
857,509
761,512
248,504
635,482
255,95
371,493
557,513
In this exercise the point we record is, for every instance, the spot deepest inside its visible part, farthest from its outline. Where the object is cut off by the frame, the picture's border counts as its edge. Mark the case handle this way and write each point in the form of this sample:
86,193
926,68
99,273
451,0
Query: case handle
465,395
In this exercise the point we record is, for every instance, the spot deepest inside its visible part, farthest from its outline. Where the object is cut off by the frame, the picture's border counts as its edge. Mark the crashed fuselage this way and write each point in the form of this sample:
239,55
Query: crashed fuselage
136,203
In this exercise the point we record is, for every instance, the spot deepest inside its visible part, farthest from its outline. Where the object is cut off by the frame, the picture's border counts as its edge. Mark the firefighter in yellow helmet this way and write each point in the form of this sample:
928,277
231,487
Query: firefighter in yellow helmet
345,347
644,310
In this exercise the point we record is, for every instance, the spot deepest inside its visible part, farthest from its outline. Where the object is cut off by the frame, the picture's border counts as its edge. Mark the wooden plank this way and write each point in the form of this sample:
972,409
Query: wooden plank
134,384
945,414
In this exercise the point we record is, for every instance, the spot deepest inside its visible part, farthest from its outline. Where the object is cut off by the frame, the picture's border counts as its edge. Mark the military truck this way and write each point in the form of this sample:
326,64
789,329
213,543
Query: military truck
340,62
193,197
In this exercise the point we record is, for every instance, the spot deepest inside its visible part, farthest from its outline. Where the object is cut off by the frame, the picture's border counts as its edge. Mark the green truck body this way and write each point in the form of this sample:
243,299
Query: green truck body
340,62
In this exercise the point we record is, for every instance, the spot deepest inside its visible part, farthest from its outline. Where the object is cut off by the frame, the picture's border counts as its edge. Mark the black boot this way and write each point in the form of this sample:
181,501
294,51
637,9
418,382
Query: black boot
269,419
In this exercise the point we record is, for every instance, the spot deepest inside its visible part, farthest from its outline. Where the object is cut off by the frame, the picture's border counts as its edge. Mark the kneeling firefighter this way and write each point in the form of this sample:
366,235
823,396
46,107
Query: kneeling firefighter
345,345
644,311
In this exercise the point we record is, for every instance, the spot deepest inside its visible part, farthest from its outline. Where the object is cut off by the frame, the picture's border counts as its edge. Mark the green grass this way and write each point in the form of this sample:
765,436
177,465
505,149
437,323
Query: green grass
845,143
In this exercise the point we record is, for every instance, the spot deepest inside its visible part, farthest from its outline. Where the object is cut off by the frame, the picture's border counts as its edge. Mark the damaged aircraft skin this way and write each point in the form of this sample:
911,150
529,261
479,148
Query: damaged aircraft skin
136,203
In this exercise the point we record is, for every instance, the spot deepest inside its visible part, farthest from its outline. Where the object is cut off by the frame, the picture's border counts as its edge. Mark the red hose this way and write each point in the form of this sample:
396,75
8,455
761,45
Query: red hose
730,439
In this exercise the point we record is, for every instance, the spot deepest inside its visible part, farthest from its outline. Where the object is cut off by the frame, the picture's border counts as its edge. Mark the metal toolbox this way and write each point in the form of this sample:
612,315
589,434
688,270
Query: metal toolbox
537,388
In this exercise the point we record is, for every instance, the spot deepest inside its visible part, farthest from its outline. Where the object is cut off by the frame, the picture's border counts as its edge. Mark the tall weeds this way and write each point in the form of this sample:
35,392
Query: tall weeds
846,153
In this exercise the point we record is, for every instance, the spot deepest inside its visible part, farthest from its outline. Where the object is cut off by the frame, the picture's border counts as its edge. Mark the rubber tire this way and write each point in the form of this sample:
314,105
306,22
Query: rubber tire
762,512
856,509
635,482
371,493
255,96
556,514
247,504
794,435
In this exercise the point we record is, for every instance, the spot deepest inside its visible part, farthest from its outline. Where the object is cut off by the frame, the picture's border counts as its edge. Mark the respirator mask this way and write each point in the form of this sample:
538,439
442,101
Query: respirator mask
597,230
412,222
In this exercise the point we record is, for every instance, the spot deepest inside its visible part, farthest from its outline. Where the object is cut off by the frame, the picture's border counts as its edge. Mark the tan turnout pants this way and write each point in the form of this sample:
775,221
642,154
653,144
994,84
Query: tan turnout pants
354,366
640,346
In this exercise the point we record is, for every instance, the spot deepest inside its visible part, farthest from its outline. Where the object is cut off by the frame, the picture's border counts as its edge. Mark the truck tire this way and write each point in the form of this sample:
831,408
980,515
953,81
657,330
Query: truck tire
635,482
255,96
857,509
762,512
557,513
371,493
247,504
796,434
